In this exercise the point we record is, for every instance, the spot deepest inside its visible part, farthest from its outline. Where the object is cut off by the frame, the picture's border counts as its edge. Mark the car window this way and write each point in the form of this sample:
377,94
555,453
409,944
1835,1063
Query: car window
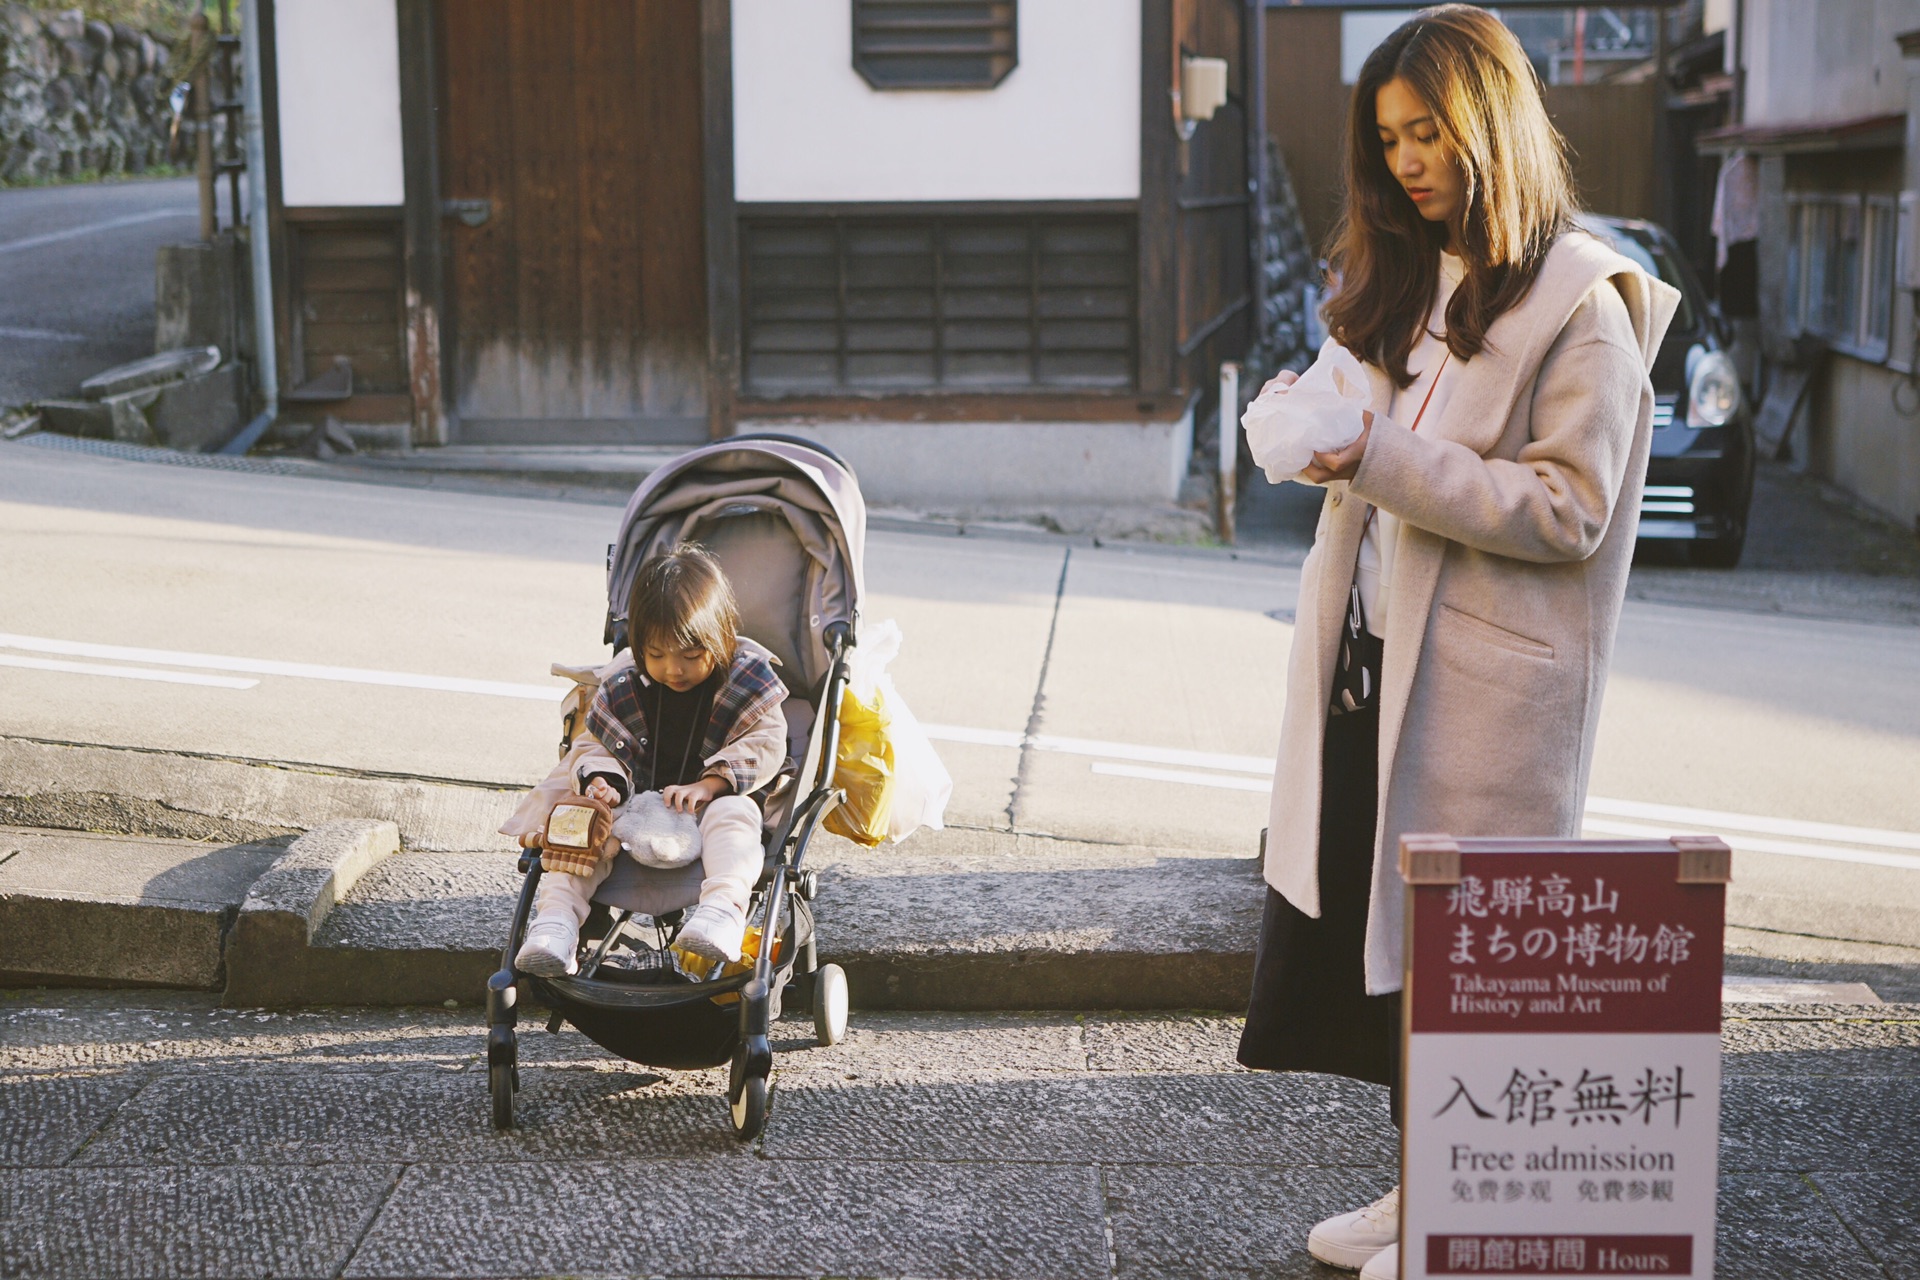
1654,259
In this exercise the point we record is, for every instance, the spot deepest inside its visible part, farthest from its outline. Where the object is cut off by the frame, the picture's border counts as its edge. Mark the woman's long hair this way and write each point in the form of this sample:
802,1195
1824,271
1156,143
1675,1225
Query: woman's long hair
1517,195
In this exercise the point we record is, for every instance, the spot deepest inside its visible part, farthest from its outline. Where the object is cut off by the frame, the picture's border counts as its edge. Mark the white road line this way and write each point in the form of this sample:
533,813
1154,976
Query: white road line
1225,782
299,670
1743,822
1220,768
1158,755
125,673
1104,750
39,335
90,228
974,737
1750,844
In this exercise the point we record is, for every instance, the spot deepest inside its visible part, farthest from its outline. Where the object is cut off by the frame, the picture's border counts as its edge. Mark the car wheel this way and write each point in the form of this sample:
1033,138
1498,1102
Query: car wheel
1720,553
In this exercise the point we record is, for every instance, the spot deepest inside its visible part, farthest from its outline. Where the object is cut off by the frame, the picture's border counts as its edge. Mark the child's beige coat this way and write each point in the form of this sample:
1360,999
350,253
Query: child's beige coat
759,745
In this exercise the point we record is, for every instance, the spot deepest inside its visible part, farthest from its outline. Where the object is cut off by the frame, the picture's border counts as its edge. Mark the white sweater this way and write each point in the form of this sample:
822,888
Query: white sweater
1375,569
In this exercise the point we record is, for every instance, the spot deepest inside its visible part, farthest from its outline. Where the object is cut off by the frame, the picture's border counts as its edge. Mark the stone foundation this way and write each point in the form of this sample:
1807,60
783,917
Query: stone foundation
79,96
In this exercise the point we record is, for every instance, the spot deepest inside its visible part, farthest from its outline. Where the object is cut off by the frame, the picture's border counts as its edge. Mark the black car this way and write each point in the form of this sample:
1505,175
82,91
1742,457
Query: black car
1700,475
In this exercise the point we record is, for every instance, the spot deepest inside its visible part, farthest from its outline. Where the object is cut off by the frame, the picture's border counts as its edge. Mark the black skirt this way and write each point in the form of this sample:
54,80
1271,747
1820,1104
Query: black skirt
1310,1010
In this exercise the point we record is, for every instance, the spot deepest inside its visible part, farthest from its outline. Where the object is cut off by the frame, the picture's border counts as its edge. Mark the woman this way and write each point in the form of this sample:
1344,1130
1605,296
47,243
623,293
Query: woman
1457,611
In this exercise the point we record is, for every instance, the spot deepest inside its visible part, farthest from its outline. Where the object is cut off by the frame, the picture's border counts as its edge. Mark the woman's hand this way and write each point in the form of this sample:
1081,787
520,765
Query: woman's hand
1280,381
695,796
603,791
1342,464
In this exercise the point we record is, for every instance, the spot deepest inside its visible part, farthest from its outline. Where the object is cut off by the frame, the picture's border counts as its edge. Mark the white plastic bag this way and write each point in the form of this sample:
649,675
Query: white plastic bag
1319,413
654,835
921,783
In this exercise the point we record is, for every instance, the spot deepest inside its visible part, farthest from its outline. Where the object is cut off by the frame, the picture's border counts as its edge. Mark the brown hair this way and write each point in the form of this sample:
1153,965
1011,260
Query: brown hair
682,598
1517,191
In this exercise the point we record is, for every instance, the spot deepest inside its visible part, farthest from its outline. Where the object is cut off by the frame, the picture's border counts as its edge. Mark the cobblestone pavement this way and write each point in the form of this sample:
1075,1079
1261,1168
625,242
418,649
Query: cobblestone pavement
147,1134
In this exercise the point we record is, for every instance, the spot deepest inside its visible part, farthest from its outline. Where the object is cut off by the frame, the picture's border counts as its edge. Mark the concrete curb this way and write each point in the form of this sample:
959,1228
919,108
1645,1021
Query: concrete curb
112,910
111,944
261,795
270,957
1048,980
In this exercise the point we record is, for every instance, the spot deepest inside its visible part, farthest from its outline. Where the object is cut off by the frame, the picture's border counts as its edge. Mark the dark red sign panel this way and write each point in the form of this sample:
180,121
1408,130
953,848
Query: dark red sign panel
1530,1255
1575,942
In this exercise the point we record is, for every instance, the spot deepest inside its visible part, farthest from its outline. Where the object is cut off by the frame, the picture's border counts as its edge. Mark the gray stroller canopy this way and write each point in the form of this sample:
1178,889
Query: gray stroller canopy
785,520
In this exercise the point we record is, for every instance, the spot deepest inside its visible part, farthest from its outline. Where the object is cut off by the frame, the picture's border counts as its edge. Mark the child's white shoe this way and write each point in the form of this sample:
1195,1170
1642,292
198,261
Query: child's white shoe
713,931
549,951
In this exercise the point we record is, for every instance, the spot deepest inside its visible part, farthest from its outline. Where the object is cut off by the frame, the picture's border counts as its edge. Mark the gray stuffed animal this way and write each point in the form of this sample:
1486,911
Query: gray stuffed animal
655,836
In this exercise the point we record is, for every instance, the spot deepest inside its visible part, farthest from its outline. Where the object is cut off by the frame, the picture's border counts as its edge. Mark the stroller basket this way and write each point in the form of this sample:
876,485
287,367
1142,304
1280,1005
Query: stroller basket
658,1017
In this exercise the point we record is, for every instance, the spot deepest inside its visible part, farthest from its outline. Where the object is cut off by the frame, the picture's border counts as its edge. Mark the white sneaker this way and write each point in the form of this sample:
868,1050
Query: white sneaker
1353,1240
549,951
713,931
1384,1265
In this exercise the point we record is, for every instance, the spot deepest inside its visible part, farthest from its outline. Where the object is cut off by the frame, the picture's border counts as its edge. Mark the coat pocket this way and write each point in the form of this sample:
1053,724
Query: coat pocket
1473,629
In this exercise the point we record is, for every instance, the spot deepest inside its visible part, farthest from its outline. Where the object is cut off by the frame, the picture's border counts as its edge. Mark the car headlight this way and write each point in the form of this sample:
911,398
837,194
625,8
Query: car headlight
1713,391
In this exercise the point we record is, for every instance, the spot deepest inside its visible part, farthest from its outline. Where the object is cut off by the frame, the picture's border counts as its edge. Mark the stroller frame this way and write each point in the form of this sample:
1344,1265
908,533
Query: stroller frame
656,1016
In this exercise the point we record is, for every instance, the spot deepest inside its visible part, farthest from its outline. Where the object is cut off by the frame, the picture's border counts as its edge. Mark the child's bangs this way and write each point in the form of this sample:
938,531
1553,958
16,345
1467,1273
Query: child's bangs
682,601
702,629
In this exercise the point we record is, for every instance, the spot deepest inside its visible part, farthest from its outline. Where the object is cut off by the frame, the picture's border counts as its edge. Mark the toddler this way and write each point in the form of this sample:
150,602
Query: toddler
692,711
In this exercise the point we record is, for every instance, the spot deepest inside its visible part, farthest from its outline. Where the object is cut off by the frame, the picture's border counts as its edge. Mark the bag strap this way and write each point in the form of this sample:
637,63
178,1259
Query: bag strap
1425,401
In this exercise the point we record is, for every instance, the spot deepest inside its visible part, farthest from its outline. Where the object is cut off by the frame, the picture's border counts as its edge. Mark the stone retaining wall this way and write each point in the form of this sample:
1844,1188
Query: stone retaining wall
79,95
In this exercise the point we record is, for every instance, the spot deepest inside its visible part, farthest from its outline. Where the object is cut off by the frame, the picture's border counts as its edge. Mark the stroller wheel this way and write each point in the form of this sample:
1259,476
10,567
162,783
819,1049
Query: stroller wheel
749,1109
500,1083
503,1074
830,1004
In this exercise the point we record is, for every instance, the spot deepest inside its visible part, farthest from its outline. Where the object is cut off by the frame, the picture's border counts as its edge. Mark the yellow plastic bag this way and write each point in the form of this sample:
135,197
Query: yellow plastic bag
864,770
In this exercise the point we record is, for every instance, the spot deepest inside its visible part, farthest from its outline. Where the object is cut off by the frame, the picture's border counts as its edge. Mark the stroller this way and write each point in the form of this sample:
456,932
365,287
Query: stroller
786,520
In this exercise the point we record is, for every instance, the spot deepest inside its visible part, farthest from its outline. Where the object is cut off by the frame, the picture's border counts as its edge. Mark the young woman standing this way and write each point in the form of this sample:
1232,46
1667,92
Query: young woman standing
1457,611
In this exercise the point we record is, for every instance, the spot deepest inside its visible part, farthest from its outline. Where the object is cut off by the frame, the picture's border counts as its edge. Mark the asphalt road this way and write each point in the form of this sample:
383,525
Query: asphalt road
77,279
1111,694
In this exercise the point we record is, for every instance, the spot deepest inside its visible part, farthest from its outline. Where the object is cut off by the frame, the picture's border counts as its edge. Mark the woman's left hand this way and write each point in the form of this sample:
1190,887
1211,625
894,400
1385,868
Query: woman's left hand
1341,464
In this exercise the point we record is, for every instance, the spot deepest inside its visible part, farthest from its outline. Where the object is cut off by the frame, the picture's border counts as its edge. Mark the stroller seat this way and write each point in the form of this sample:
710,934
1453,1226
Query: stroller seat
650,891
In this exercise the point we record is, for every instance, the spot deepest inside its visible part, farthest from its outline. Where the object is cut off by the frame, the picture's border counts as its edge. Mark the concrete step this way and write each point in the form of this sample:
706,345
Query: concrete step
76,907
959,919
964,919
615,466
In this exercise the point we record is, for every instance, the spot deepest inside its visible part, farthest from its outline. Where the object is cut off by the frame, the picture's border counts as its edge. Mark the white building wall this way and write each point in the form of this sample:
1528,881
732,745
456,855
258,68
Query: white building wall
1063,125
339,69
1815,60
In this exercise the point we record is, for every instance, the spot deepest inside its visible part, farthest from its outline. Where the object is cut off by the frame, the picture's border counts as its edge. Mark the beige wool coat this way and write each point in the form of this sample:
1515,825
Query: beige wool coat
1519,504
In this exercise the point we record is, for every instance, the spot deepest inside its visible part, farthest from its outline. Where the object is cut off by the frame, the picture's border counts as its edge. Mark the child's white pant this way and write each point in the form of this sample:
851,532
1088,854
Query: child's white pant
730,854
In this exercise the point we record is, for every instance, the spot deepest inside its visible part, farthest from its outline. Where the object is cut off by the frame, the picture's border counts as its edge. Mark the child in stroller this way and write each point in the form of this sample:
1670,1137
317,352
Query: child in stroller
693,712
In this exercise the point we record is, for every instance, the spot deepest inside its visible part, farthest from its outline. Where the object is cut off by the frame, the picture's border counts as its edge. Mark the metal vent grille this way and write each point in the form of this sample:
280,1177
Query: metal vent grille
966,303
934,44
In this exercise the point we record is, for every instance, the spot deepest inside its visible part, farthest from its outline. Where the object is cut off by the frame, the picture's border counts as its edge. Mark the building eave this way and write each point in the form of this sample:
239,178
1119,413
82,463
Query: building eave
1861,133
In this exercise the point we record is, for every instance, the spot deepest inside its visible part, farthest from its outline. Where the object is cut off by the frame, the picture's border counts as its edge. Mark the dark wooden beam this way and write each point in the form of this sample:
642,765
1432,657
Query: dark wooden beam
723,231
928,208
1159,163
973,406
420,165
318,215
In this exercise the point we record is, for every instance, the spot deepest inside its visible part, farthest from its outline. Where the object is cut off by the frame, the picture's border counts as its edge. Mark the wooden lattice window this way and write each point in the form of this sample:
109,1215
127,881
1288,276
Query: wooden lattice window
934,44
957,303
